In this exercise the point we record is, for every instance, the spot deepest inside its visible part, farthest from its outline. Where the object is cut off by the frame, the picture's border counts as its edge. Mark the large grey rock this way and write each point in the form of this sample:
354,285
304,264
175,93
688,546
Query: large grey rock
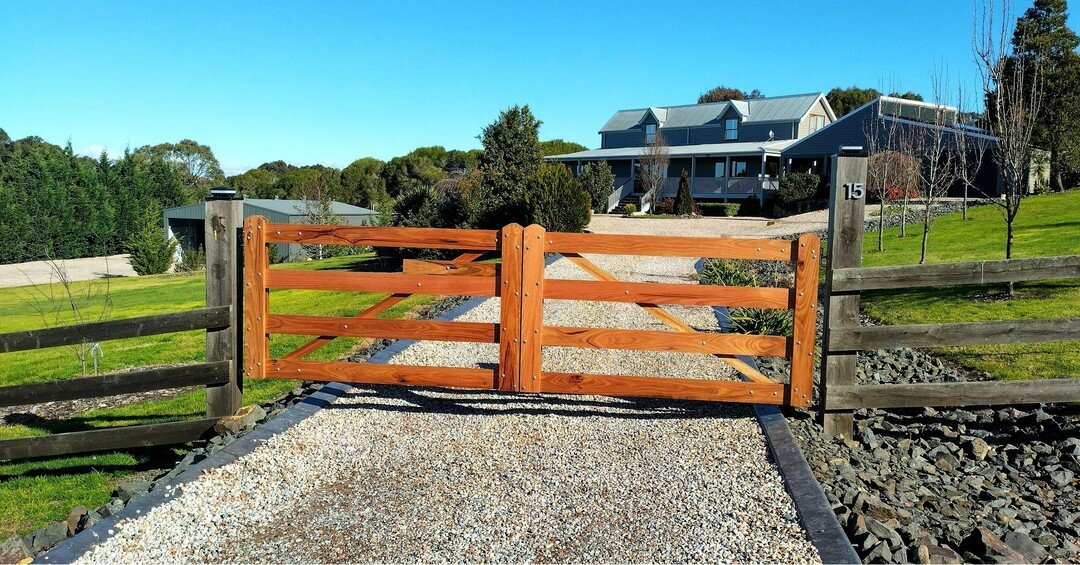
1026,546
929,553
50,535
15,549
978,448
75,519
244,419
128,490
987,546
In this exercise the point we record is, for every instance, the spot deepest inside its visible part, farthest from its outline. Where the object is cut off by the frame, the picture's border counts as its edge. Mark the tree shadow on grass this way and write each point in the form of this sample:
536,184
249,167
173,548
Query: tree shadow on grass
146,459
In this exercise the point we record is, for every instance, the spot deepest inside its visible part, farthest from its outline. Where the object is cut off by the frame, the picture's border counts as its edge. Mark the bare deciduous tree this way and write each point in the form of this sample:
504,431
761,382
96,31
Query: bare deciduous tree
938,151
973,147
1011,86
652,168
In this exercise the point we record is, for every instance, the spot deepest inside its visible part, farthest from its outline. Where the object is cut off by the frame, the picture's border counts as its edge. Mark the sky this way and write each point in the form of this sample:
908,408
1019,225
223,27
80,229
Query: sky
329,82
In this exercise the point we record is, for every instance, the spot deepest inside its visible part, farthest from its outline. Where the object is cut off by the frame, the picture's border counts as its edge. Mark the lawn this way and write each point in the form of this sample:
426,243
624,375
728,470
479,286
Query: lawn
34,493
1047,225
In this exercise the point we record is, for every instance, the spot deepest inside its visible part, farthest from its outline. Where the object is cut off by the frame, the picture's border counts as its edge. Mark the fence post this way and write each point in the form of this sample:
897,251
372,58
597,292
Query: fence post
223,220
846,225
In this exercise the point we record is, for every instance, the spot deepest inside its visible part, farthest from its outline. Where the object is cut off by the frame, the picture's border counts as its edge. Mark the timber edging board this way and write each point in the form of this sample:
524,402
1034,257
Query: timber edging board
948,274
141,380
973,393
197,319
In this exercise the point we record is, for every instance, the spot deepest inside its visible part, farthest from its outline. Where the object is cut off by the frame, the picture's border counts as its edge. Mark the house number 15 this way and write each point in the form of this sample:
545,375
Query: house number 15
854,190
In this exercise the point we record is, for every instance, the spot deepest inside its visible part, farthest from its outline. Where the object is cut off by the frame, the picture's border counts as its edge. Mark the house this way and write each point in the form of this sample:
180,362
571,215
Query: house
187,223
897,117
731,150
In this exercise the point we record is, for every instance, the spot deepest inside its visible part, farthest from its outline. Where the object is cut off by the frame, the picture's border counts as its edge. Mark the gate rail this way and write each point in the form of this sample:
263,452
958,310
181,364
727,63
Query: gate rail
519,282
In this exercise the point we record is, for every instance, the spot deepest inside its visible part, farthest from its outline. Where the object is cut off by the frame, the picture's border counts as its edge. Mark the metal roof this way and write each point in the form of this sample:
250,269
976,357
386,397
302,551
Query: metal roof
707,149
772,109
277,210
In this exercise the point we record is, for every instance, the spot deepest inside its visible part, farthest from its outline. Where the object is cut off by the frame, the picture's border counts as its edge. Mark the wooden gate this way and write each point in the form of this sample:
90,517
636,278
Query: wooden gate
519,283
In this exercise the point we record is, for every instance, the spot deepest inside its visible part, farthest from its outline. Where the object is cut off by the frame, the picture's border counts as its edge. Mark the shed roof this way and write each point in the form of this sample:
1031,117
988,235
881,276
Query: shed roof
756,110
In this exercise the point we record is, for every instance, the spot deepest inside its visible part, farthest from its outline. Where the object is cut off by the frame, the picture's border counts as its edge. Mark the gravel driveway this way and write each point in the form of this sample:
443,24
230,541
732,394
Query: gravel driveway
45,272
394,474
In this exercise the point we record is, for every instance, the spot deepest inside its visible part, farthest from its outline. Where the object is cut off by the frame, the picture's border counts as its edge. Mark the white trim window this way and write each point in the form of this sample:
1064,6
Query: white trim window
731,129
816,123
650,133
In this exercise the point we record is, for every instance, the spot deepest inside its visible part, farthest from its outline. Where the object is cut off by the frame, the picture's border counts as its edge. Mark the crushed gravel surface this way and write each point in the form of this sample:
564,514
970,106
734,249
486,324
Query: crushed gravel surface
396,474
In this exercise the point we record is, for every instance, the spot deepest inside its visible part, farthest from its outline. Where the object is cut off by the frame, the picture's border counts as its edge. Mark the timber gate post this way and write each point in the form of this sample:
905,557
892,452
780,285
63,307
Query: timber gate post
223,220
846,225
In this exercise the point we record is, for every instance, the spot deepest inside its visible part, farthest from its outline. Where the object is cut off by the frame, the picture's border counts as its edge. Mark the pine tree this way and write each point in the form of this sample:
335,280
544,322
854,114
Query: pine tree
684,202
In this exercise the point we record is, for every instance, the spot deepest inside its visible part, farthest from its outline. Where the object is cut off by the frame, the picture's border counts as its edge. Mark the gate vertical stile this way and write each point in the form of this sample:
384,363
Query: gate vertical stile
532,309
510,307
256,261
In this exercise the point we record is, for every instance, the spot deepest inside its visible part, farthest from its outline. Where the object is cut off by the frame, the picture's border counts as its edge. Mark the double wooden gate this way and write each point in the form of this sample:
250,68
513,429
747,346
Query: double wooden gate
518,281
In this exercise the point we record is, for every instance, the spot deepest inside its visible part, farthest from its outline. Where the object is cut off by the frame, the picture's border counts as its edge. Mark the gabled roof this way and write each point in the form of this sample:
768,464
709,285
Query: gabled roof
758,110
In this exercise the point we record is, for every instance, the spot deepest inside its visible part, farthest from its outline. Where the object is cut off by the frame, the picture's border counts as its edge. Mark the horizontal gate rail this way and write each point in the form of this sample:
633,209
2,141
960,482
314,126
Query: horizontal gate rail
411,375
958,334
196,319
669,246
948,274
645,340
433,238
477,332
381,282
444,268
141,380
107,439
663,387
660,293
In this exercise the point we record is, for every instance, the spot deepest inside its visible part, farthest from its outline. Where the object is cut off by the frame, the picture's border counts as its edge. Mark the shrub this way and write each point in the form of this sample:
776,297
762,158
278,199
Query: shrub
598,182
758,321
727,272
684,202
796,187
750,207
630,210
191,259
664,206
561,204
151,253
728,209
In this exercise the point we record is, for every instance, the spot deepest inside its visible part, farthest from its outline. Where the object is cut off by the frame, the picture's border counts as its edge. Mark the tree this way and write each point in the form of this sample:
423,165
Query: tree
684,202
1012,107
510,160
415,169
973,148
652,168
722,94
362,183
560,147
938,152
257,183
844,100
317,206
561,204
198,167
598,181
151,253
1043,38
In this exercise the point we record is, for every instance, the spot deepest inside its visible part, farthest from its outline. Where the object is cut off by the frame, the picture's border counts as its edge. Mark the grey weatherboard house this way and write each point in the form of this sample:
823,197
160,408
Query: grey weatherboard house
731,150
186,223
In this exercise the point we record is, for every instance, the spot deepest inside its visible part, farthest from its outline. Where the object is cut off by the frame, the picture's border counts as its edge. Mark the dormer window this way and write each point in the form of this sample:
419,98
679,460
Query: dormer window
650,133
731,129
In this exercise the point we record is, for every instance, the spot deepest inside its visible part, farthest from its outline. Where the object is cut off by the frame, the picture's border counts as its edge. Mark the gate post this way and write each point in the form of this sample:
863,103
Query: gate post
846,226
222,225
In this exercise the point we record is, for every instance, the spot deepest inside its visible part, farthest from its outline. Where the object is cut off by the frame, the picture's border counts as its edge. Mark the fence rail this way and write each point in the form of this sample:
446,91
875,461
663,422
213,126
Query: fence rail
217,373
844,337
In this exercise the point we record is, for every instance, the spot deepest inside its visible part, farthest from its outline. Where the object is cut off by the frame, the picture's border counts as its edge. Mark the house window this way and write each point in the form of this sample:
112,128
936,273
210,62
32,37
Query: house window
816,123
731,129
738,168
650,133
719,171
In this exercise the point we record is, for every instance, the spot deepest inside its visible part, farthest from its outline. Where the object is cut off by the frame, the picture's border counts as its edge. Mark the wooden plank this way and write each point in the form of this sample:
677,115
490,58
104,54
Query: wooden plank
141,380
846,226
376,309
256,271
510,308
947,335
986,393
382,282
372,236
661,387
807,248
224,219
532,309
105,439
667,318
374,373
670,246
660,293
452,268
475,332
948,274
197,319
645,340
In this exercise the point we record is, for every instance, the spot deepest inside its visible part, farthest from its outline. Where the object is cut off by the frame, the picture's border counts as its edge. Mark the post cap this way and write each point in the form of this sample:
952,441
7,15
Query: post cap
224,193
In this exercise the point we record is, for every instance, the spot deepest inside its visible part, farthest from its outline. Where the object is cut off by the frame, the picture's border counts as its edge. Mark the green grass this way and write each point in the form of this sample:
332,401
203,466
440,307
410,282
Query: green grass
36,492
1046,225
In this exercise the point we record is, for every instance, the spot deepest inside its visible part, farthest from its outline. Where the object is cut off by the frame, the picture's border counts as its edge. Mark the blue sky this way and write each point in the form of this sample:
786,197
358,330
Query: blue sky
327,82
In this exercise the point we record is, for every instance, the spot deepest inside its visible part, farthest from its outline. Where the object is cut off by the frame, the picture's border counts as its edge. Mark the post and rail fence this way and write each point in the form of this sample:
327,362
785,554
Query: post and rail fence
844,337
218,373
